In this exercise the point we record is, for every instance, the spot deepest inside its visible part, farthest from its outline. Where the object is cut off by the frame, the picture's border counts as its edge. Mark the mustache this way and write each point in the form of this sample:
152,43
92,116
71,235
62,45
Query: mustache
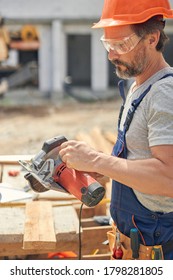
117,62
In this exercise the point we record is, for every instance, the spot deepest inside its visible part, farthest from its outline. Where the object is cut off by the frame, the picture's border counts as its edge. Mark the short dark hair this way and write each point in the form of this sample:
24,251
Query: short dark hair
150,26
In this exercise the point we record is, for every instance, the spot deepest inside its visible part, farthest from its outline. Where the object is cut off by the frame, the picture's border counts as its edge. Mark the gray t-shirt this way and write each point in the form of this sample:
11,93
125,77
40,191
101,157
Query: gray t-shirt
152,125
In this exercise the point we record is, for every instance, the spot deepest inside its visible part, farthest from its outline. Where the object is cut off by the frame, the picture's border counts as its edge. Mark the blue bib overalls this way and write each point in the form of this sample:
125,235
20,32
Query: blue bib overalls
156,228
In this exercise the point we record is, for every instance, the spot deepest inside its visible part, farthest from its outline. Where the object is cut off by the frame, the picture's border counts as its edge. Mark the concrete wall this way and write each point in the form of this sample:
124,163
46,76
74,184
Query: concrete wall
46,10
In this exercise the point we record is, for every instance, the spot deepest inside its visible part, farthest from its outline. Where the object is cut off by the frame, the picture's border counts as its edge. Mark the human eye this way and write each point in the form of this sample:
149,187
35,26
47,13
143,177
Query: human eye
122,47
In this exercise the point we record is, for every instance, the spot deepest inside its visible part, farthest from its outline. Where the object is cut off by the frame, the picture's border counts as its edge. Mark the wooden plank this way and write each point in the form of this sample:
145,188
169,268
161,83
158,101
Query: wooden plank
82,136
1,172
101,208
16,248
109,189
14,159
56,196
87,212
110,136
102,144
88,222
66,223
39,229
11,224
98,256
93,238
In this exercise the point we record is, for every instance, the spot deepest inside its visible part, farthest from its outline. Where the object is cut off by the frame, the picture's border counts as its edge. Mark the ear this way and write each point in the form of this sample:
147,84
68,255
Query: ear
154,39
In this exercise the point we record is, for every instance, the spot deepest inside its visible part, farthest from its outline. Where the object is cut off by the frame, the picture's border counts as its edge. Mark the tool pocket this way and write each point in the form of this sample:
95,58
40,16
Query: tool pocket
112,243
144,251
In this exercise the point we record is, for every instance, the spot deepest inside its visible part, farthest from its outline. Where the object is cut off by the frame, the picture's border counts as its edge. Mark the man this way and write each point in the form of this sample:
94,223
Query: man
141,164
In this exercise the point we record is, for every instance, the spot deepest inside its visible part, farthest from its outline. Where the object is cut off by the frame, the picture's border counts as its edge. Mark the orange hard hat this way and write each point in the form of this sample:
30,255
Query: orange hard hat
124,12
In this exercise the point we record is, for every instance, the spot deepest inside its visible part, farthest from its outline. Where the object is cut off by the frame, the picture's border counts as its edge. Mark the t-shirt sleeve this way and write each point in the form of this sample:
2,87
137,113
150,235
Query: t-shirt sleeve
160,114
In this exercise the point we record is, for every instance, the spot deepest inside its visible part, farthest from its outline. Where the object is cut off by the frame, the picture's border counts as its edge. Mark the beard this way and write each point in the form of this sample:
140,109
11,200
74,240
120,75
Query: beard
126,70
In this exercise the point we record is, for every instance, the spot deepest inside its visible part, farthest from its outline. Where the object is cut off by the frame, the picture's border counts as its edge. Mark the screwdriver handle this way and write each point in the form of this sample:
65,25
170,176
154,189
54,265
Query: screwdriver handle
134,238
156,253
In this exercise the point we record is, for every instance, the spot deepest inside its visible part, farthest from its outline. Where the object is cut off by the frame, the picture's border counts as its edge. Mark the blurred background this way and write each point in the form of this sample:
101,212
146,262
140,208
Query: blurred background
49,49
50,46
55,78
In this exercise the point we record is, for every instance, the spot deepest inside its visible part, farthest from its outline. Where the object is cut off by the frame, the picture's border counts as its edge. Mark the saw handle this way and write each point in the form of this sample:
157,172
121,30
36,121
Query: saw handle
53,143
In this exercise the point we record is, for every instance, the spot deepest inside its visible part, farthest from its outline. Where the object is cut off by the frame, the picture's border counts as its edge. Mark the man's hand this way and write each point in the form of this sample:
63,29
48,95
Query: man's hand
78,155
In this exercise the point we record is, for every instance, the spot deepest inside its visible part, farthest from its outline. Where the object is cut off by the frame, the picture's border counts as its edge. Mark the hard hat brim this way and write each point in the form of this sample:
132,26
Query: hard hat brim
127,19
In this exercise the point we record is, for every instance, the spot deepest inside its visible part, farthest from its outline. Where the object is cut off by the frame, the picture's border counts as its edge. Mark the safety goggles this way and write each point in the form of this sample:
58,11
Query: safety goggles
123,46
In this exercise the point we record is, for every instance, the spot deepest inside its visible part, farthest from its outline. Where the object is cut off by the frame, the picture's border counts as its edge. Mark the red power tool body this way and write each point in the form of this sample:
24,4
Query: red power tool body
47,171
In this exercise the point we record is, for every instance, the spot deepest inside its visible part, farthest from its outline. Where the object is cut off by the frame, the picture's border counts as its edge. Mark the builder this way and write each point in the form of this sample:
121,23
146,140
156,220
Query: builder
141,163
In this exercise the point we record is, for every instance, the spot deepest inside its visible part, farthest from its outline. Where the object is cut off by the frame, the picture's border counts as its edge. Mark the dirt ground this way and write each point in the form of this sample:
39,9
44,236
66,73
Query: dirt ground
24,128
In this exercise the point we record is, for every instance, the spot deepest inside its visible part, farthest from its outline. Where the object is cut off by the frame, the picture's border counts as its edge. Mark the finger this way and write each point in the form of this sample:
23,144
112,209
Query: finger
64,145
62,156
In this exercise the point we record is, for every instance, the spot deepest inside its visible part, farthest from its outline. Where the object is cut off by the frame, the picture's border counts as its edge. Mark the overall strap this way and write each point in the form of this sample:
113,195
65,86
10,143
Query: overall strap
133,108
121,90
136,103
122,94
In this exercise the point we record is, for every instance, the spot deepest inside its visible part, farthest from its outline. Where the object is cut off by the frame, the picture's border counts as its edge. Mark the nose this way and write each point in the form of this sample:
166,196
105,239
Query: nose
113,55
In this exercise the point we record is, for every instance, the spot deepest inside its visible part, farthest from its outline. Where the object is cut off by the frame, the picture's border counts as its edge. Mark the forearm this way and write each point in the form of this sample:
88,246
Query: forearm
149,176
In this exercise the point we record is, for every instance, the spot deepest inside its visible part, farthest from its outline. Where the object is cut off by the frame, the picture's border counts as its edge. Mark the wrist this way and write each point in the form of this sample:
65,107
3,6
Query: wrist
100,163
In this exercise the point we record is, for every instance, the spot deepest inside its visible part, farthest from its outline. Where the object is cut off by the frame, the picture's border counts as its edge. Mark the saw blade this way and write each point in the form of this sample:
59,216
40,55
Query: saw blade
26,165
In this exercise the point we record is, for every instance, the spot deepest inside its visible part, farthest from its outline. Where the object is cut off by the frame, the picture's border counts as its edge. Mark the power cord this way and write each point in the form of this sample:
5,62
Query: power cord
80,241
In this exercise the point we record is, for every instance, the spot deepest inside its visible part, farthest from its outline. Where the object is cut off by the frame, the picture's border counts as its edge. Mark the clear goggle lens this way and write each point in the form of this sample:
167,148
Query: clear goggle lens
123,46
